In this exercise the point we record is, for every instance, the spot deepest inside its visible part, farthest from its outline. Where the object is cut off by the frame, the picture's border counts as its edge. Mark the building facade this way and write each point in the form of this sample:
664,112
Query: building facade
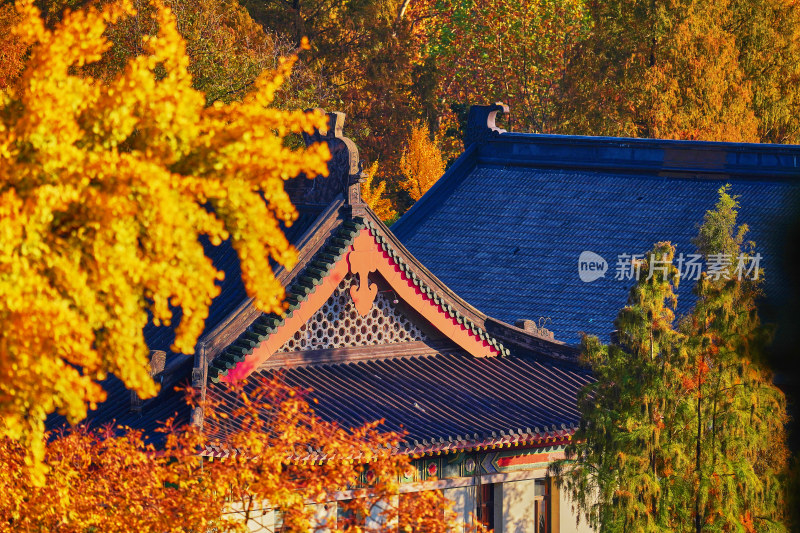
452,325
485,405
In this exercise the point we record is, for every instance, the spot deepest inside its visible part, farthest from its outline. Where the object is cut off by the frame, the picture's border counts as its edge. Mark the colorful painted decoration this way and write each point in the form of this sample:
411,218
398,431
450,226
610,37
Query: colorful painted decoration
433,468
469,465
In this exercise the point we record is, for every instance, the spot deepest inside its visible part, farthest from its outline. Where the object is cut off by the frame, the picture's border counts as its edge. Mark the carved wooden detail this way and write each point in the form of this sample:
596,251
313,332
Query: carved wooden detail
363,260
338,324
403,288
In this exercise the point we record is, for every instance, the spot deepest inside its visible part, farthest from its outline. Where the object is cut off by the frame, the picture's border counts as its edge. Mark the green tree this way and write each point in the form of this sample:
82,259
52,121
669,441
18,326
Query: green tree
683,429
740,453
625,449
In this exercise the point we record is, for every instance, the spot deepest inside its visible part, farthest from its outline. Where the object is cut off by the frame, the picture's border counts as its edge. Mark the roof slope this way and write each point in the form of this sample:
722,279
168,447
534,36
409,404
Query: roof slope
444,401
232,292
504,227
440,393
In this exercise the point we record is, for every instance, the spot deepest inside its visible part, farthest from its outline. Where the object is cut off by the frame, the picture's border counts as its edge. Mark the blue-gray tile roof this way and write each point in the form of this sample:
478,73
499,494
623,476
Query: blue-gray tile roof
505,226
171,402
437,397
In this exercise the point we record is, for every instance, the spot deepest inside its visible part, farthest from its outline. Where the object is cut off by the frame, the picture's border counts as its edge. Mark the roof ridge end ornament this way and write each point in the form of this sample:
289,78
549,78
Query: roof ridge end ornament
345,166
482,123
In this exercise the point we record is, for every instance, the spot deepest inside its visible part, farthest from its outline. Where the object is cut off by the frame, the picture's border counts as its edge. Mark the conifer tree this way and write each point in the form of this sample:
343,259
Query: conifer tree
624,447
739,450
683,429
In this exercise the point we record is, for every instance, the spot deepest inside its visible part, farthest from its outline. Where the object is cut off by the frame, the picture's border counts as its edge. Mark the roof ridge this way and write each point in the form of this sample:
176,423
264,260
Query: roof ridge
749,161
316,270
247,304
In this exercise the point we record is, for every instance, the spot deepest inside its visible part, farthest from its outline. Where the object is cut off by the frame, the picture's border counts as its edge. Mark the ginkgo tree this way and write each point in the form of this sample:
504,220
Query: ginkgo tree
421,163
374,194
105,190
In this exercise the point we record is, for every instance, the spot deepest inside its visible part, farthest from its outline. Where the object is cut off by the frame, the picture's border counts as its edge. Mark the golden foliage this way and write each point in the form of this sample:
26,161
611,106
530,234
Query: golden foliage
105,190
109,480
227,49
421,163
704,70
12,49
374,195
491,50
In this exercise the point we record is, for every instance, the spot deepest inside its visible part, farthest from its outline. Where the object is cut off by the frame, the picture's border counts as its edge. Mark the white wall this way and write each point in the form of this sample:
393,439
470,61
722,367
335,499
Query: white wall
323,517
567,517
463,499
375,518
262,521
516,503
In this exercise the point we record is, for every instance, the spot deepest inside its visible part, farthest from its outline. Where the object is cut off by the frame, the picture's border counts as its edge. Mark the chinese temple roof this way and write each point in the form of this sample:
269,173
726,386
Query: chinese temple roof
505,226
445,400
372,333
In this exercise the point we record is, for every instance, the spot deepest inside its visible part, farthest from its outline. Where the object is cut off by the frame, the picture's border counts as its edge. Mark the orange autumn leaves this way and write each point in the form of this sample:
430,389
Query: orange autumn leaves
12,50
105,189
109,479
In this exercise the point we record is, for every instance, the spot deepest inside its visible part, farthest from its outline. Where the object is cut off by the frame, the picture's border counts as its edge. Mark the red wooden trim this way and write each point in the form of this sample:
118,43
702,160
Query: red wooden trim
413,296
524,459
300,316
379,261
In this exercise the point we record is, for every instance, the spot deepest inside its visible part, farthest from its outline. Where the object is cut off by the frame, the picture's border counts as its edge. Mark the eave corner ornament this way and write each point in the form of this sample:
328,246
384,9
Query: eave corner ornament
362,261
482,123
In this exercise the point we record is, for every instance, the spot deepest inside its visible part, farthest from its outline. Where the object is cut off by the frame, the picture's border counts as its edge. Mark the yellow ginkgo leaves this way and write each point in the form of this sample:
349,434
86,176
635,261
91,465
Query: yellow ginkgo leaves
105,189
422,163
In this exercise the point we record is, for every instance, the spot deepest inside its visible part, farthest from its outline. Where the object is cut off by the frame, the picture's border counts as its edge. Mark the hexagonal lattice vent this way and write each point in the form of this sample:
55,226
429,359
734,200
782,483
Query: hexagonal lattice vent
338,325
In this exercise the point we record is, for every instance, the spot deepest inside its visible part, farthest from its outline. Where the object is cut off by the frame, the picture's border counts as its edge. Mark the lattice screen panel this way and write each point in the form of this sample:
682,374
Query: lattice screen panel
338,325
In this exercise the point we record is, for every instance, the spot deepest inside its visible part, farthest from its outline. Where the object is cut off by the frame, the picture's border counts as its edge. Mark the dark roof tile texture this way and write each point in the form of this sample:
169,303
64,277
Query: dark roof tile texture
507,238
443,396
117,409
232,292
